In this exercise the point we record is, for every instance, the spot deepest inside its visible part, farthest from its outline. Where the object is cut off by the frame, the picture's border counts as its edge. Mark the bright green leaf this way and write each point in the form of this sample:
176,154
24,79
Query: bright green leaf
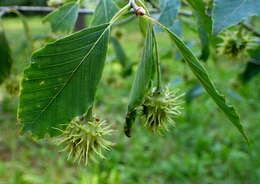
105,10
230,12
64,18
62,79
202,75
5,57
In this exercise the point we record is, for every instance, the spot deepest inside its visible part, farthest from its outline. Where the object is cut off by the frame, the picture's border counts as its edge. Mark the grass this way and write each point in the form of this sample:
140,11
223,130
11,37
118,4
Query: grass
204,147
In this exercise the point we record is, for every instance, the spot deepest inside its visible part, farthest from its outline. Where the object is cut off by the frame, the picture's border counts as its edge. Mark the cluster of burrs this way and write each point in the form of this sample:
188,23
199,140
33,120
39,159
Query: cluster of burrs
85,139
235,44
160,109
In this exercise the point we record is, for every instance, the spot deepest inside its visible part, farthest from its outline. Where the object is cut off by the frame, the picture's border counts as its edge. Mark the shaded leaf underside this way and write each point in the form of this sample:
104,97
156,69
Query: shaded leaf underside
143,78
144,73
169,12
230,12
61,81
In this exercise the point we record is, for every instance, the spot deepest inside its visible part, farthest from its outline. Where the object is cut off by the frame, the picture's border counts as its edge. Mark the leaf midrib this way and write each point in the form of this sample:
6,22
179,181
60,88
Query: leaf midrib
230,15
71,76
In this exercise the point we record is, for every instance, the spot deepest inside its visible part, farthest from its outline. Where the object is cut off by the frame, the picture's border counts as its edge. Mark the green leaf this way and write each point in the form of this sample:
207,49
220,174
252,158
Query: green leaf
5,57
105,10
169,12
143,25
200,72
204,26
143,79
62,79
64,18
144,73
230,12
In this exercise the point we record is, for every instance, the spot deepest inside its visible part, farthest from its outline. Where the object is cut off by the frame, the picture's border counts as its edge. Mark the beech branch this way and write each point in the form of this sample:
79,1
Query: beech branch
42,9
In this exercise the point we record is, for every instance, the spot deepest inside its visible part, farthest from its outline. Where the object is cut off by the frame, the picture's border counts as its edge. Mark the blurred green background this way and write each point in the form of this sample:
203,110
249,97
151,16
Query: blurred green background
203,148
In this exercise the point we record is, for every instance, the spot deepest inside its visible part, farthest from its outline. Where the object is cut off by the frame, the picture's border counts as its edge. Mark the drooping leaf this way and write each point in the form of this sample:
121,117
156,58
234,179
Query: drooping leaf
64,18
144,73
5,57
142,79
143,26
231,12
62,79
201,73
169,11
105,10
204,23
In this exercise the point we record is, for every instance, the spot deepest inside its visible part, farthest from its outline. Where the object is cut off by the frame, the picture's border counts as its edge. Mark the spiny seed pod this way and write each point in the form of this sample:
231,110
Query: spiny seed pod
12,85
235,44
159,109
85,139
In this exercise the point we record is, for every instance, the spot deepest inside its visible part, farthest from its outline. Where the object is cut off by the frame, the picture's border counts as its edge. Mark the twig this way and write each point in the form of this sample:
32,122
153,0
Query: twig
42,9
39,9
251,29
